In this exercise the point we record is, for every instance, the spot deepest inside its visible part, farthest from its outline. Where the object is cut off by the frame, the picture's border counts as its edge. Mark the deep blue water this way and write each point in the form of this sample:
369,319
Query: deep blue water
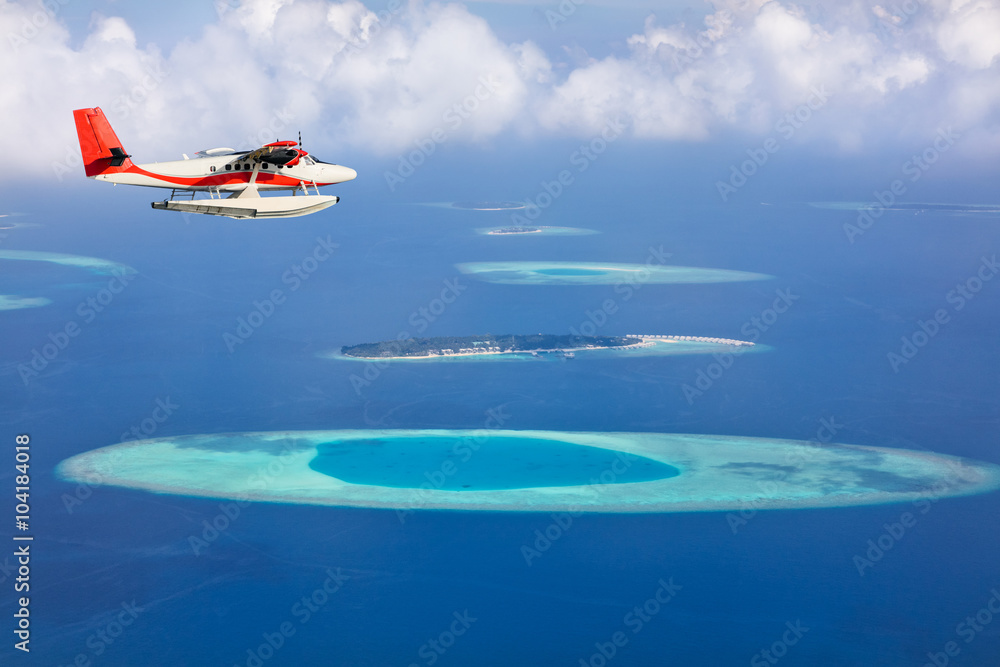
162,339
478,462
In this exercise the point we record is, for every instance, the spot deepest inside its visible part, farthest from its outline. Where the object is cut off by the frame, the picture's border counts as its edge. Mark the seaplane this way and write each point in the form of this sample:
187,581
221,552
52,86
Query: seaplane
233,180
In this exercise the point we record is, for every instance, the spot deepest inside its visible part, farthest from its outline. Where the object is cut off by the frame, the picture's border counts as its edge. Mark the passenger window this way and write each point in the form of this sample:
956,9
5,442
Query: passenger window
228,167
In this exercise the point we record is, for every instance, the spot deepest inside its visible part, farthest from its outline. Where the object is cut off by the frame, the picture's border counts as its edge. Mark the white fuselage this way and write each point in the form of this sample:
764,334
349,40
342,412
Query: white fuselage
226,173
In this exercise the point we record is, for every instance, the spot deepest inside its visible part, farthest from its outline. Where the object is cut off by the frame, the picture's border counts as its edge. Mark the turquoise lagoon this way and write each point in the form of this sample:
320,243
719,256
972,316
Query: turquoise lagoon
476,464
916,207
599,273
13,302
25,282
541,471
93,264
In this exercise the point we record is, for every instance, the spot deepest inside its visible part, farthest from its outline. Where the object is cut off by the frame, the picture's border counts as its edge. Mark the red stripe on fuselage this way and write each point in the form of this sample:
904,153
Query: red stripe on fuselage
225,178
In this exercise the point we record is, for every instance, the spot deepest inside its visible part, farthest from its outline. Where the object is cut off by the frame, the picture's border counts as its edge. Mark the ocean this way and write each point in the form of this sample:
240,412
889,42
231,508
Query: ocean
124,577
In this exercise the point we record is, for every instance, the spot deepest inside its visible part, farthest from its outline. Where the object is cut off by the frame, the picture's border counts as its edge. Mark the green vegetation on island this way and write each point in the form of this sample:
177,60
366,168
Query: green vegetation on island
516,230
485,344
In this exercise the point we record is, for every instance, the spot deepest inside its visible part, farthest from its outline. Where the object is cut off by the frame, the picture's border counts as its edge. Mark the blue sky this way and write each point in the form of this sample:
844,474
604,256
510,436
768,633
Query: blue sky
839,80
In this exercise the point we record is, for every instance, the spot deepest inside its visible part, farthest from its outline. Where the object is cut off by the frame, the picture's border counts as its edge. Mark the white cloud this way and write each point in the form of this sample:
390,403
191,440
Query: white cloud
615,89
534,65
749,66
970,33
381,80
402,85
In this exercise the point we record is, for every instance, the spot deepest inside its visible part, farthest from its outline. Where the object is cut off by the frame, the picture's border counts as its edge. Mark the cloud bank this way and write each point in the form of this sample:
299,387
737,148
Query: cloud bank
380,80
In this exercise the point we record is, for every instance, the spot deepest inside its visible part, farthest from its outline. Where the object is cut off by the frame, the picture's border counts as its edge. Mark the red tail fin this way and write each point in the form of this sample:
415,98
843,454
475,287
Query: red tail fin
102,152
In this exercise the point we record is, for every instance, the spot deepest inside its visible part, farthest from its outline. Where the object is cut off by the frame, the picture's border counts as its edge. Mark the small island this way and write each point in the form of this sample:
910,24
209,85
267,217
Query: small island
513,347
515,230
448,346
537,230
489,205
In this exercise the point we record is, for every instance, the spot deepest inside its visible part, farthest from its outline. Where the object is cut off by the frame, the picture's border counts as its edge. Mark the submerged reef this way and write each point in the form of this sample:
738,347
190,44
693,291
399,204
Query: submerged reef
540,471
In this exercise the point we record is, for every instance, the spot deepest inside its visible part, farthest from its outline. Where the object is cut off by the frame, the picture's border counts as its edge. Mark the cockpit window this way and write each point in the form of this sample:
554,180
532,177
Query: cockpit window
309,161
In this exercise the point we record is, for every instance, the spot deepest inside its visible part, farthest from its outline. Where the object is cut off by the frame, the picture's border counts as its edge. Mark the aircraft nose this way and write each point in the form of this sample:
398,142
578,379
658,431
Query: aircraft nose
342,173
